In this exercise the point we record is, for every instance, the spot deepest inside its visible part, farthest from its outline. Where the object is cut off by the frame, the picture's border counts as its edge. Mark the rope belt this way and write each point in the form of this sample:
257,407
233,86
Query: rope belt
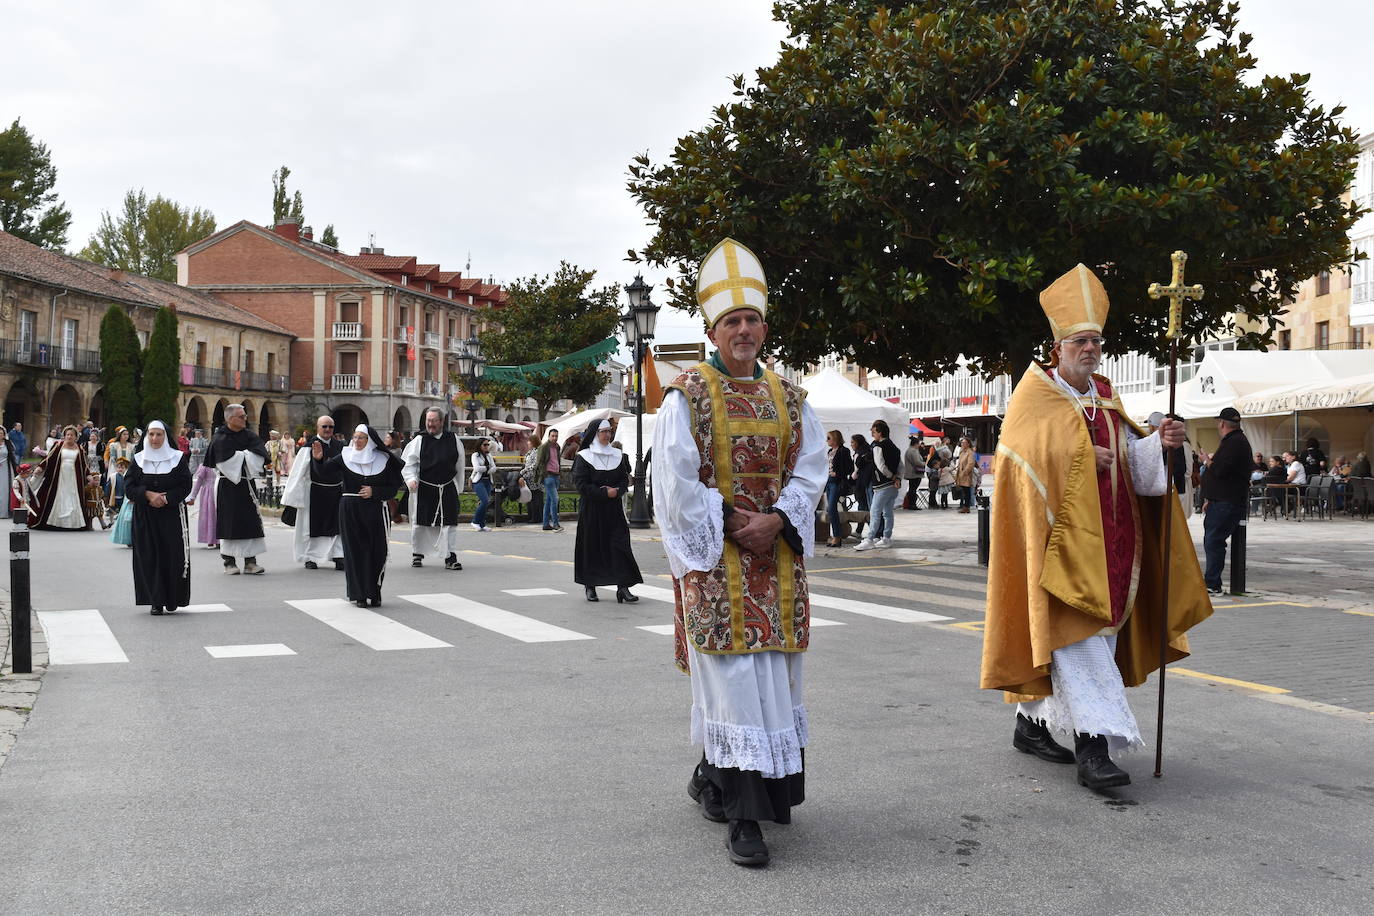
439,521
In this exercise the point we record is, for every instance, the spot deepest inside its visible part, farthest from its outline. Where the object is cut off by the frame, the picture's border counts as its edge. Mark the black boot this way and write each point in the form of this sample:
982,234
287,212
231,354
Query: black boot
156,611
1034,738
417,560
591,593
622,593
451,562
1095,768
705,793
744,839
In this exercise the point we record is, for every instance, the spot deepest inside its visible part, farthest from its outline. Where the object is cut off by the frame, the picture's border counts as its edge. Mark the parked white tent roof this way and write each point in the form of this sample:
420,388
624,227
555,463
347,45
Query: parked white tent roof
841,404
576,424
1278,382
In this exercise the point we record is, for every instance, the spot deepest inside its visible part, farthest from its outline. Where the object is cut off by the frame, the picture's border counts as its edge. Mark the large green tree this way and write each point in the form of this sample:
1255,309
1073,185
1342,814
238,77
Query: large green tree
545,318
161,386
911,175
285,205
147,234
120,364
29,207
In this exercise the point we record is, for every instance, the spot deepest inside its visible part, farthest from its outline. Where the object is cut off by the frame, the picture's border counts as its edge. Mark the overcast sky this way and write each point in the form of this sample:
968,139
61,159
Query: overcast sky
499,129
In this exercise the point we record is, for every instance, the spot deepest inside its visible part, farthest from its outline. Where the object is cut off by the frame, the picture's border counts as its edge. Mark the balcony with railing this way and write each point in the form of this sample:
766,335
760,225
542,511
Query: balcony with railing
348,330
1361,292
402,336
405,385
236,380
46,356
455,344
433,341
346,381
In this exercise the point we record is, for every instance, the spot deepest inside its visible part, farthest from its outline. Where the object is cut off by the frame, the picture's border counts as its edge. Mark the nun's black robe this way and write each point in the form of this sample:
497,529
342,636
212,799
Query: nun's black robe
602,553
363,523
162,572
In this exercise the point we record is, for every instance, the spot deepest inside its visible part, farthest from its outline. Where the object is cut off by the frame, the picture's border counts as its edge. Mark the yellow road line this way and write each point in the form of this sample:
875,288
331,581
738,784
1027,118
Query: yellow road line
1361,614
516,556
483,552
563,562
973,626
1248,685
1266,604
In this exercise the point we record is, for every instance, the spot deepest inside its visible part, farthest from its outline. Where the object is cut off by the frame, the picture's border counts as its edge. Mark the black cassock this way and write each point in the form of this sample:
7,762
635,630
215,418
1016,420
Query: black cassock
324,491
236,511
363,524
602,554
162,575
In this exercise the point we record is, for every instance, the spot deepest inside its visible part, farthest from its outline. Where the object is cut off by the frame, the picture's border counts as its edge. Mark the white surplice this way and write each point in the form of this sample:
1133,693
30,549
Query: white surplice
747,710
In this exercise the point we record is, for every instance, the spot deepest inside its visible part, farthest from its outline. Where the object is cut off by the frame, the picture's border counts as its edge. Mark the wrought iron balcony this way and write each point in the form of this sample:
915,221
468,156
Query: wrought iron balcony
46,356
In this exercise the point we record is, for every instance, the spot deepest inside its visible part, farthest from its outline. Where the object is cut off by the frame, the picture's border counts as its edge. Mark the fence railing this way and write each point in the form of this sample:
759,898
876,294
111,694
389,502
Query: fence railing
46,356
406,385
346,382
348,330
235,380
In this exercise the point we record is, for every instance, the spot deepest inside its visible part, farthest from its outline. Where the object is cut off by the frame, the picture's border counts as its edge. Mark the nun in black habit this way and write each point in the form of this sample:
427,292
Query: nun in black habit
603,556
371,475
157,483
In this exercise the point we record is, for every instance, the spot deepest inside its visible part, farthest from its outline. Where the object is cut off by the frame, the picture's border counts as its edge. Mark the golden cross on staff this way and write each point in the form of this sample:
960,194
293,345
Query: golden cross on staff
1176,293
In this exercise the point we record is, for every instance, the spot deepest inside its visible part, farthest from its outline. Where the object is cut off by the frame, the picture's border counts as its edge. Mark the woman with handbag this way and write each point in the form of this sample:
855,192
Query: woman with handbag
602,554
837,484
158,482
482,466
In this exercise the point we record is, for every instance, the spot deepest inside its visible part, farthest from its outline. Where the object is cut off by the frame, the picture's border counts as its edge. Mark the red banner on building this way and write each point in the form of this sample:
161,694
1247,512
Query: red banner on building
410,343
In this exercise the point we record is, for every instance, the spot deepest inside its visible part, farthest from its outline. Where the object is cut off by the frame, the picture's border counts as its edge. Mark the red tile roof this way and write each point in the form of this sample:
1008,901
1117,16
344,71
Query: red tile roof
387,262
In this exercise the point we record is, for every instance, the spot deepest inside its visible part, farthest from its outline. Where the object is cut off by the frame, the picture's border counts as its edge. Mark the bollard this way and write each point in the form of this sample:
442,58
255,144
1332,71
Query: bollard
498,511
984,528
21,638
1238,559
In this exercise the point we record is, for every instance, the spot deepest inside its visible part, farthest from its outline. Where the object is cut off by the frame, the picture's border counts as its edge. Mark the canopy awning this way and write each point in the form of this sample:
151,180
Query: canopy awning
1275,383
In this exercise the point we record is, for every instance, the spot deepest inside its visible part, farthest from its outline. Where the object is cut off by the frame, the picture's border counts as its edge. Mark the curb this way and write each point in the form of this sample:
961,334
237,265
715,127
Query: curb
18,692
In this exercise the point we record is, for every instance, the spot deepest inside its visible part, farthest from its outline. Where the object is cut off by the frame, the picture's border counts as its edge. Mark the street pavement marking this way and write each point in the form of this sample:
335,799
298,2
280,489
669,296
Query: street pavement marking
516,556
516,626
817,570
1264,604
1361,613
903,594
917,579
204,609
80,638
1343,712
881,611
482,552
973,626
368,627
1248,685
532,592
271,648
563,562
666,629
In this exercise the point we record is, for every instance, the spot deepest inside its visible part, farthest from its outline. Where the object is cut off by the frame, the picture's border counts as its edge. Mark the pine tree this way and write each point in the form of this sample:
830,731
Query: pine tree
162,371
119,368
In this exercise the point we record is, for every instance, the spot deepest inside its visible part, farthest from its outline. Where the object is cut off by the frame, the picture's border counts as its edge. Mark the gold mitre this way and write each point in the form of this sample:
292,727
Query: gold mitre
1075,302
730,278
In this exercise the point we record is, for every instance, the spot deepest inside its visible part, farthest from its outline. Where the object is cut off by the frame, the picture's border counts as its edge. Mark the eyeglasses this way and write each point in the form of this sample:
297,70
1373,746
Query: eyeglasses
1084,341
326,426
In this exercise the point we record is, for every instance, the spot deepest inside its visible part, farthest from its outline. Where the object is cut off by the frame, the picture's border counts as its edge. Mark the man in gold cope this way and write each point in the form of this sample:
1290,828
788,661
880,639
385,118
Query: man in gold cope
1075,573
738,467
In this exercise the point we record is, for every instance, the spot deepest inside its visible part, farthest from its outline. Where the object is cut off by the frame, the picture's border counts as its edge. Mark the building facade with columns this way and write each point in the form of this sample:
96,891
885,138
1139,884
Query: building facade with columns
377,336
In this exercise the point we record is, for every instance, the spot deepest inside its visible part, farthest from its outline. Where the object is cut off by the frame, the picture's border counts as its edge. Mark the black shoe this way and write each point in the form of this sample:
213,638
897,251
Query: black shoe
451,562
311,564
557,527
705,793
744,839
338,563
417,560
1095,768
375,602
591,593
1034,738
361,602
622,593
548,527
156,611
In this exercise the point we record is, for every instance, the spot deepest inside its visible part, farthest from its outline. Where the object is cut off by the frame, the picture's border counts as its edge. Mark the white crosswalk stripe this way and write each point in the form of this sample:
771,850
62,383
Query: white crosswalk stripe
373,630
80,638
271,648
532,592
205,609
516,626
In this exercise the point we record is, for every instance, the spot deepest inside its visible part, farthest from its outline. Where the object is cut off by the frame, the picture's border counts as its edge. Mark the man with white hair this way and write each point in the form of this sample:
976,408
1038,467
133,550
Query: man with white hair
433,465
238,456
739,463
315,494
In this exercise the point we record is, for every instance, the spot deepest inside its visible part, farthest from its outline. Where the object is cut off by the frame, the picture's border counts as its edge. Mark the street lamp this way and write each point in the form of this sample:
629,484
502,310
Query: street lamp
472,366
637,324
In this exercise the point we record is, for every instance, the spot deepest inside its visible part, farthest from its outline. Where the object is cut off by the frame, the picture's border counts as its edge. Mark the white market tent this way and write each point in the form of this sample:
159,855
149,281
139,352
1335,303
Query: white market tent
841,404
576,423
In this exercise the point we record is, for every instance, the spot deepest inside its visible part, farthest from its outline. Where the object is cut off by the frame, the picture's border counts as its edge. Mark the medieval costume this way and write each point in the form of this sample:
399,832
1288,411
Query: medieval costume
437,461
161,539
238,459
314,491
742,619
61,503
363,519
203,494
602,554
1074,583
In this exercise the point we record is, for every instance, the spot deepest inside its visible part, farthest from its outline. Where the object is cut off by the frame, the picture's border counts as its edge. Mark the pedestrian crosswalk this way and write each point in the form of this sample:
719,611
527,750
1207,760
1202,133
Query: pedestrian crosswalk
85,637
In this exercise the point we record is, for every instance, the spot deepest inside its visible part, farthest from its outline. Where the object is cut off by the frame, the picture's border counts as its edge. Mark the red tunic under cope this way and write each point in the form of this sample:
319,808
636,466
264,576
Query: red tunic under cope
1116,493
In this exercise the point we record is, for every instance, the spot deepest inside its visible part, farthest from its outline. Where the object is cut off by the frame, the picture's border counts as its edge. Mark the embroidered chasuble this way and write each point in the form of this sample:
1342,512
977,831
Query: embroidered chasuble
1076,552
748,434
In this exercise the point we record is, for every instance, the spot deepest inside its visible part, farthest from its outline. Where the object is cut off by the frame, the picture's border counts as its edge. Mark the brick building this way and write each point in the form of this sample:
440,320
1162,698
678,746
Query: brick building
377,335
51,306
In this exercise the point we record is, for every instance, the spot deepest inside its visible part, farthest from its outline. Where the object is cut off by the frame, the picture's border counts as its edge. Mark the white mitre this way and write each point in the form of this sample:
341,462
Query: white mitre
730,278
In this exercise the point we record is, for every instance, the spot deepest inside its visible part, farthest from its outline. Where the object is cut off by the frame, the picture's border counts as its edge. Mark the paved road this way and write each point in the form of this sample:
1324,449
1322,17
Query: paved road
477,748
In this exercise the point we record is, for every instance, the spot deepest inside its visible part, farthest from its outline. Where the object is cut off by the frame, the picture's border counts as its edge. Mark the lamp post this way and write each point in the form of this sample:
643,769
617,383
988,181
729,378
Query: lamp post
637,324
472,366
